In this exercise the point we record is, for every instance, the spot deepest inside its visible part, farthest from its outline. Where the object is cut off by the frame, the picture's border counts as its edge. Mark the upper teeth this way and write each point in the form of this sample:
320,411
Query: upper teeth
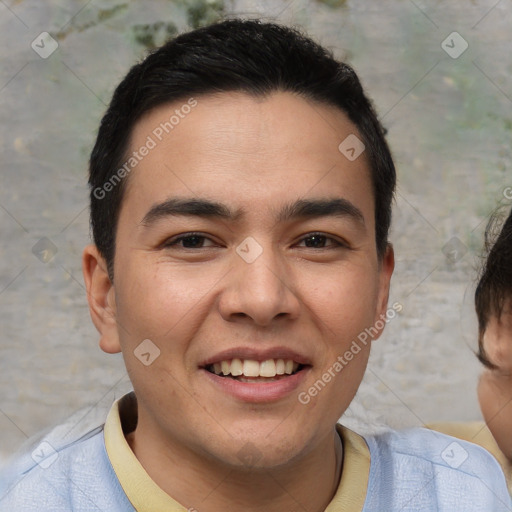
252,368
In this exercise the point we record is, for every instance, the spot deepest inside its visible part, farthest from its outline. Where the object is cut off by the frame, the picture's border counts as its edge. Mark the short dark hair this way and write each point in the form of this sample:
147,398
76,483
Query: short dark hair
494,289
232,55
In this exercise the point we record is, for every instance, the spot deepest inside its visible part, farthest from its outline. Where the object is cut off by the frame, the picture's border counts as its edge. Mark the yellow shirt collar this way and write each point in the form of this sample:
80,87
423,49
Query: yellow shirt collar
146,496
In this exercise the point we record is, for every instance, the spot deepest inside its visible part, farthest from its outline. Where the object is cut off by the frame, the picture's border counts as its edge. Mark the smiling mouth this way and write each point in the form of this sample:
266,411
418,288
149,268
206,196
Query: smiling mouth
250,370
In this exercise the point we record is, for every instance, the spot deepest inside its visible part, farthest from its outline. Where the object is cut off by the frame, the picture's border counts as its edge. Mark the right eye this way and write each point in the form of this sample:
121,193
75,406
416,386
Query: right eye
188,241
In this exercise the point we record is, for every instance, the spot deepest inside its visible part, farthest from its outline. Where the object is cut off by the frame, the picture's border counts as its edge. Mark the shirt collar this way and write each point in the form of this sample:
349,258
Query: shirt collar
146,496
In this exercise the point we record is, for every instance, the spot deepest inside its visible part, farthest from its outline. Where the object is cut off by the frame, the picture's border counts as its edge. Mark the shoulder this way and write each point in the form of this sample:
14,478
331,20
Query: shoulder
476,432
57,475
420,467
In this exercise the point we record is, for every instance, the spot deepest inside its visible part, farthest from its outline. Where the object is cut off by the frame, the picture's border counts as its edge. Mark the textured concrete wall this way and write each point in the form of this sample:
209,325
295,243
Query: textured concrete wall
448,112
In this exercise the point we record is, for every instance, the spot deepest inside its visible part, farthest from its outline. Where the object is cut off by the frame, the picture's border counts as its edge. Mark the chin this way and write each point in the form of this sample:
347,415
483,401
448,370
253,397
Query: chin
259,452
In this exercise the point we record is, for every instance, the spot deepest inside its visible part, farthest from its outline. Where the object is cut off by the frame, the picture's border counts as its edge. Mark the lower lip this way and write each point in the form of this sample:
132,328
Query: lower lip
258,391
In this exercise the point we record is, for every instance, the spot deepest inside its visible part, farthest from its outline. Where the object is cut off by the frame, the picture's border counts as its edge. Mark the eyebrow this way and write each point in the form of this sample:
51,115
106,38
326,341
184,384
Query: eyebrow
300,209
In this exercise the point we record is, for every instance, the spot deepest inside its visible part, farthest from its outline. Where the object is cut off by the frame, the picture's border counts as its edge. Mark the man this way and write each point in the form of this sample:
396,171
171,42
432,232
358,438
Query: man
241,192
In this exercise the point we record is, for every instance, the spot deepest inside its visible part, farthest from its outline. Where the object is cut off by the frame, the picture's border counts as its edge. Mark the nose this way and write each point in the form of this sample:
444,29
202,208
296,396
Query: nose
259,291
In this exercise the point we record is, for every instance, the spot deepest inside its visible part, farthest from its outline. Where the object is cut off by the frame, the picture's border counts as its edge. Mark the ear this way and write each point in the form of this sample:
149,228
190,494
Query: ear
101,298
496,339
386,267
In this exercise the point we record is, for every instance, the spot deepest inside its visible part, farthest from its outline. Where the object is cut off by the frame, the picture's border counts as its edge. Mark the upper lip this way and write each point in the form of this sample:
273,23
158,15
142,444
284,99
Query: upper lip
256,354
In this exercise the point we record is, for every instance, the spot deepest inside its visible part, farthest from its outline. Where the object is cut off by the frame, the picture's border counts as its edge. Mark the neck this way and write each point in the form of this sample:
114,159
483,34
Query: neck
211,486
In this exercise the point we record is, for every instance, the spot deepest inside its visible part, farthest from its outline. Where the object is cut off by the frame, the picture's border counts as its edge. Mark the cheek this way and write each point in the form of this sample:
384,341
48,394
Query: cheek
156,297
345,303
495,397
345,312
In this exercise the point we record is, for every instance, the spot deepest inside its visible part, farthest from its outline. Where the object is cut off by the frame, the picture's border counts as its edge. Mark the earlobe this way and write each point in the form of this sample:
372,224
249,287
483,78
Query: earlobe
101,298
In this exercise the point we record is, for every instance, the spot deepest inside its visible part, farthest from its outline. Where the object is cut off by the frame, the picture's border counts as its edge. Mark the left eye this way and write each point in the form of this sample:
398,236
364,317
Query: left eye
318,240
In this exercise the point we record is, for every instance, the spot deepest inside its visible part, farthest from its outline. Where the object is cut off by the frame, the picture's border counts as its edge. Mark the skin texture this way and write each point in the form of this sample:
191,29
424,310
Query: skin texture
495,385
255,156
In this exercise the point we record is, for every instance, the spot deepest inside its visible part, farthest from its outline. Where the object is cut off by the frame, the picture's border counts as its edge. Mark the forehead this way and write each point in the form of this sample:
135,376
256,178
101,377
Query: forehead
242,148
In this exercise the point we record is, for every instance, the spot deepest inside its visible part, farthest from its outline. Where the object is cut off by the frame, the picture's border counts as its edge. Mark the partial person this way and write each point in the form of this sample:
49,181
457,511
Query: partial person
493,304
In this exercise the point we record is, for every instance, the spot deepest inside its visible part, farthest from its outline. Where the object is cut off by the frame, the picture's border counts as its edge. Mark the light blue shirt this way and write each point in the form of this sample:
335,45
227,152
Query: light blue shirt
414,470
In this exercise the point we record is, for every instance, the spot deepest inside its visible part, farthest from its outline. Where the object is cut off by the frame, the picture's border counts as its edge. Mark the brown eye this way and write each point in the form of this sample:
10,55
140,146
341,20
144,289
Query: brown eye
188,241
318,241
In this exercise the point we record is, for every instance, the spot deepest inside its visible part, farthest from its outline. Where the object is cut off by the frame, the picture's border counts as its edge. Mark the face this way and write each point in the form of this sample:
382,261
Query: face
495,385
245,243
